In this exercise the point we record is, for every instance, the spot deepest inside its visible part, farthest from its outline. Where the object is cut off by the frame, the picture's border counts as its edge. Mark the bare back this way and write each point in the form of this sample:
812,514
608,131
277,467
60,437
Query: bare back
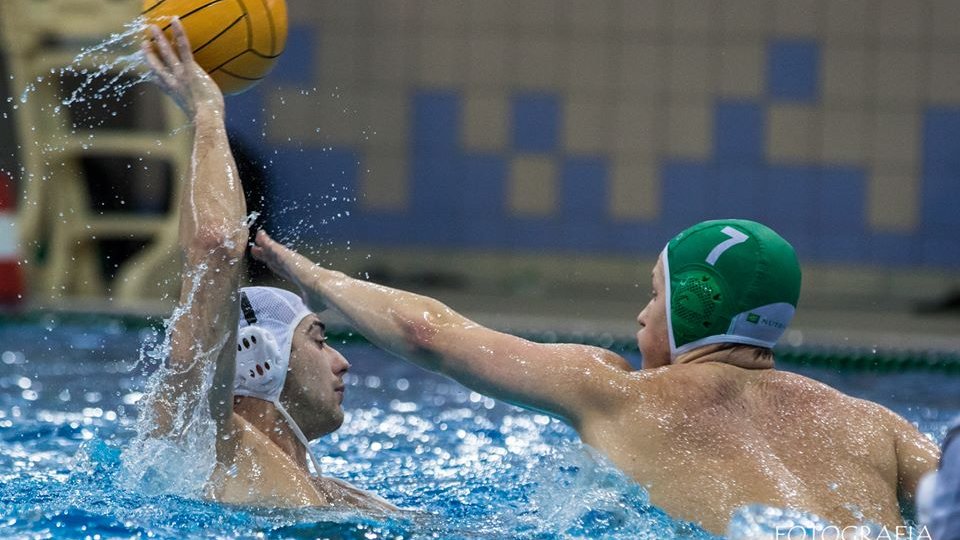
707,439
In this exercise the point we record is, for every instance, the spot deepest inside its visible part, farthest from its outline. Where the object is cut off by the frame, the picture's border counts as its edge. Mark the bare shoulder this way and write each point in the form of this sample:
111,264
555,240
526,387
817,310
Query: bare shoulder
586,355
871,421
790,381
260,473
764,393
655,388
596,370
824,397
612,391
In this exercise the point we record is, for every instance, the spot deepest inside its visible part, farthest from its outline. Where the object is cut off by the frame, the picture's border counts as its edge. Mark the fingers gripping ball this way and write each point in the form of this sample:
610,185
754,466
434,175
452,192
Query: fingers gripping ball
236,41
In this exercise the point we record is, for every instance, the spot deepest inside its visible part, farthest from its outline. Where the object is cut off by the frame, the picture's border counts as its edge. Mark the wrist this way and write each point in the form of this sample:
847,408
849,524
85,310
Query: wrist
209,112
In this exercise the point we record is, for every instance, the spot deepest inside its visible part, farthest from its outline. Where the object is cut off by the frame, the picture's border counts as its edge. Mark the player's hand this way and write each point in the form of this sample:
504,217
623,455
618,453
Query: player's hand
290,265
178,74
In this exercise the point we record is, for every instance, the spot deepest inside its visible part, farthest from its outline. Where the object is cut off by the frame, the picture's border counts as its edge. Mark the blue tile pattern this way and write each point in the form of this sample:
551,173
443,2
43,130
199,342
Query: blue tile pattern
738,135
296,65
317,190
459,198
941,167
818,208
940,195
793,70
536,122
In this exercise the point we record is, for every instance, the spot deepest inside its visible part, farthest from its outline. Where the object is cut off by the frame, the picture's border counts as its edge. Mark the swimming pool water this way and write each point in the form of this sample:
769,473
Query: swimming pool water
469,466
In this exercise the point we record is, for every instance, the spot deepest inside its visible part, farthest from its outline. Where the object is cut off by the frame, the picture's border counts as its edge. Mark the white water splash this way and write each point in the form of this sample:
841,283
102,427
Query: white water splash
579,493
117,57
103,75
181,460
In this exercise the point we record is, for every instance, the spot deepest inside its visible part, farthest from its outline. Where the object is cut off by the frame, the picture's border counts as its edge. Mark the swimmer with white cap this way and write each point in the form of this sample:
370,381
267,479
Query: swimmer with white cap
708,426
276,383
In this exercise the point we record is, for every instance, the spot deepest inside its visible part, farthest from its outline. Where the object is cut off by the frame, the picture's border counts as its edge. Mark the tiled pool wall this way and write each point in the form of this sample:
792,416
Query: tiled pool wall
606,126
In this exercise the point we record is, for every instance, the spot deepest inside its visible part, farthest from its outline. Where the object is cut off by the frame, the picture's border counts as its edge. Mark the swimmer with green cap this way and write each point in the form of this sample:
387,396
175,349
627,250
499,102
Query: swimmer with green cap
708,426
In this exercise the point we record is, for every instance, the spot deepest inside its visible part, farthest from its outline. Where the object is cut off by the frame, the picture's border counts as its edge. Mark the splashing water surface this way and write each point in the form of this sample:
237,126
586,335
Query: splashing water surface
74,465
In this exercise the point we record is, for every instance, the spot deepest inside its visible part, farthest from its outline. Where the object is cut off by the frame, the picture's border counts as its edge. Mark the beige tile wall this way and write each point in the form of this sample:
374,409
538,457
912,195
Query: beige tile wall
637,80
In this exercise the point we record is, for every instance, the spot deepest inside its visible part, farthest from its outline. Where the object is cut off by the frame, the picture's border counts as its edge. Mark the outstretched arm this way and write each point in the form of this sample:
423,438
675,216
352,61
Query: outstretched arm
213,237
568,381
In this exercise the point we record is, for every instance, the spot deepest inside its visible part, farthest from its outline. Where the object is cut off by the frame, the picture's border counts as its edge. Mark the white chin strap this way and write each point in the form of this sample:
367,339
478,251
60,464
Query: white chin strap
300,437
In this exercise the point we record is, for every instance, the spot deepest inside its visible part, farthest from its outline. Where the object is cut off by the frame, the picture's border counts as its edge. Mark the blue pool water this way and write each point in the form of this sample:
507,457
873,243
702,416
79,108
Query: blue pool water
470,467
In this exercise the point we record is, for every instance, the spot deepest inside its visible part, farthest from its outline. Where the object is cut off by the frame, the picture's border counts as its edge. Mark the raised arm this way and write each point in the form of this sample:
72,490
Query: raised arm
213,237
568,381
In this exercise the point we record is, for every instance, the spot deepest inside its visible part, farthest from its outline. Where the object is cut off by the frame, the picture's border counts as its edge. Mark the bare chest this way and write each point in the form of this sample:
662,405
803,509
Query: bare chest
262,475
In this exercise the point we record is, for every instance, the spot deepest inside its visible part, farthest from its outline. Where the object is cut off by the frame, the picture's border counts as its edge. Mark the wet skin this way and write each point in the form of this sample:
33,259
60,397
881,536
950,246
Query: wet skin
259,460
706,433
313,391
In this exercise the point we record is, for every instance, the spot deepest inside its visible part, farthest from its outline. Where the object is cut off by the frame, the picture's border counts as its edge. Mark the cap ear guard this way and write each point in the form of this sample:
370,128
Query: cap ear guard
261,369
699,305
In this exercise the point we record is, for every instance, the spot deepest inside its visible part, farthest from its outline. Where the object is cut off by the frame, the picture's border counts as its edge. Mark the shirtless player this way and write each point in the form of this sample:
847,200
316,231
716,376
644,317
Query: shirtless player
276,383
708,425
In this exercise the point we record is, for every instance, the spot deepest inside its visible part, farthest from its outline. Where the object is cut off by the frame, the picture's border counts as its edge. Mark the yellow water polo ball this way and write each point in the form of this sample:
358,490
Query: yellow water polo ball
236,41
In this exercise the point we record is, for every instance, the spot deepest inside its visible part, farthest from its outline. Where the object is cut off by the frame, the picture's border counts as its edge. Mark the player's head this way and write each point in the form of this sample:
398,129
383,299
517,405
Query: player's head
283,358
723,281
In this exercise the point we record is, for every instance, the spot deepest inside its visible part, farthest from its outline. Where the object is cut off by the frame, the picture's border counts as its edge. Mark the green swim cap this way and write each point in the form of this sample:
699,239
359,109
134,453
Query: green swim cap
729,281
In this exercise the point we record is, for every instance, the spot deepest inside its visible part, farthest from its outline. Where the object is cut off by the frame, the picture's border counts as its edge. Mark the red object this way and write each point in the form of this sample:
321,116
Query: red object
11,283
8,201
11,280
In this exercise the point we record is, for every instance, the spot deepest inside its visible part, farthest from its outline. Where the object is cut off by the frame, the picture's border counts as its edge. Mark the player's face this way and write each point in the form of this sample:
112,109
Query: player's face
652,337
314,387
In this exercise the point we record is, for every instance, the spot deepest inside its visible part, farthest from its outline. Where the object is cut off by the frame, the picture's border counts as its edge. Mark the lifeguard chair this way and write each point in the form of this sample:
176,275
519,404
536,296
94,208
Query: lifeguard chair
70,209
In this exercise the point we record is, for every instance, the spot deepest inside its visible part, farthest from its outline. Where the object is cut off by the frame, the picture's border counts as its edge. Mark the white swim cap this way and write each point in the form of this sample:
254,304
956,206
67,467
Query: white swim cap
268,319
